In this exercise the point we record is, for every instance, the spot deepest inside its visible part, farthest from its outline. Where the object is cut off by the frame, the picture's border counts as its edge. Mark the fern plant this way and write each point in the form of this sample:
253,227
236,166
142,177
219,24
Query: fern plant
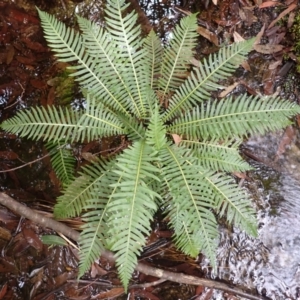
136,88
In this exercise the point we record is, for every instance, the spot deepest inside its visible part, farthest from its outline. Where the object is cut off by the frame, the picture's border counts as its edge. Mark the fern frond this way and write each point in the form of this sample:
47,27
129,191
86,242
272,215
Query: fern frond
205,79
132,207
62,161
103,48
76,195
98,121
217,156
231,201
69,47
191,202
156,133
94,236
49,123
226,119
154,57
127,33
176,58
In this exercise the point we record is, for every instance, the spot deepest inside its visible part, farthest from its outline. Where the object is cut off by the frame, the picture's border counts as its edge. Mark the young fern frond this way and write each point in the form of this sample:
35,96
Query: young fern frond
176,58
156,133
243,115
132,207
154,58
217,156
62,161
204,79
48,124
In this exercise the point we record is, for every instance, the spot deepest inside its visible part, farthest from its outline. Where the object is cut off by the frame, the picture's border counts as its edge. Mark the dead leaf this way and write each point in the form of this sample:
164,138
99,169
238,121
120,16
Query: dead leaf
259,35
3,290
5,234
38,84
284,13
269,4
228,89
195,62
237,38
212,37
10,54
176,138
291,19
298,120
240,175
268,48
32,238
246,66
275,64
9,155
89,156
113,293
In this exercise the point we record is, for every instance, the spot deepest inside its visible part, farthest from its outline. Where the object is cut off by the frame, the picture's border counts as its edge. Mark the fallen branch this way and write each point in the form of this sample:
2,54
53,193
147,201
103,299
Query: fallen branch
28,213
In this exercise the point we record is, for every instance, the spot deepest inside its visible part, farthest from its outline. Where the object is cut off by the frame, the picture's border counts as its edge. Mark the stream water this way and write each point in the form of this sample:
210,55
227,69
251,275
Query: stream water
269,264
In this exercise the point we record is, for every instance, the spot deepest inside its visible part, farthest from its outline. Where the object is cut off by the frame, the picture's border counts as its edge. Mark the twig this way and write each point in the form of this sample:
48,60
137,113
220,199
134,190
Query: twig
148,284
143,268
26,164
19,97
33,161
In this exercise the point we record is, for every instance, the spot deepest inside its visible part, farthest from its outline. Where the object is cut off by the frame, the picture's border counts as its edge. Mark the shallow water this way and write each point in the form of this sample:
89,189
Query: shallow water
269,264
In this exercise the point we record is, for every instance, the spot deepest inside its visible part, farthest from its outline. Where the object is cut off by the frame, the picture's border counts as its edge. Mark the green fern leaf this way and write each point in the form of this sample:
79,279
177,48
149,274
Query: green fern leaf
75,196
51,123
226,119
231,201
191,203
94,236
217,156
97,121
205,79
105,50
135,130
132,207
62,161
176,58
127,34
69,47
